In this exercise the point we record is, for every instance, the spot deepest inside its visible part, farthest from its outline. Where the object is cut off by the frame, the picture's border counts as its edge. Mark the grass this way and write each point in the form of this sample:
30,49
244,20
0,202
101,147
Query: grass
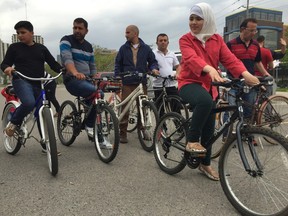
282,90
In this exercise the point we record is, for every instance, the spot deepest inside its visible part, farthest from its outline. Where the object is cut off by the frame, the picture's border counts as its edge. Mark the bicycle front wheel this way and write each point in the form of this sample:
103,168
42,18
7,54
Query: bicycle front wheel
147,125
50,141
169,143
274,115
106,132
66,123
12,144
262,190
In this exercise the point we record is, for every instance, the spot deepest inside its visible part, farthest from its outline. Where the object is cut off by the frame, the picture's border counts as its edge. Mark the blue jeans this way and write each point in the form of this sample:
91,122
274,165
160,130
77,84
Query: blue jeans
27,93
248,97
83,88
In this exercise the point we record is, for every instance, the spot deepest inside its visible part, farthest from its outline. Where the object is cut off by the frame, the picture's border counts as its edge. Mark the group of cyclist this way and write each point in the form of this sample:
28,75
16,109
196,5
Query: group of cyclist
202,50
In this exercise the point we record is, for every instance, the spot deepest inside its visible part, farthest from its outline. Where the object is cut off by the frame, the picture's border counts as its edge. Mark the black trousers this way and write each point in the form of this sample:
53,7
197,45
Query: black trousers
50,89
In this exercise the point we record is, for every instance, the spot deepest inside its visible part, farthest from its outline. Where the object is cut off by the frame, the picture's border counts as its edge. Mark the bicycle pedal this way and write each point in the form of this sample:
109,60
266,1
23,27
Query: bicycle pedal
198,154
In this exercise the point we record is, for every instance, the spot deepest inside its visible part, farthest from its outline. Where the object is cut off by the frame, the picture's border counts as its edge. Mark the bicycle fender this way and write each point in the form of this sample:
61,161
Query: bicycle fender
15,103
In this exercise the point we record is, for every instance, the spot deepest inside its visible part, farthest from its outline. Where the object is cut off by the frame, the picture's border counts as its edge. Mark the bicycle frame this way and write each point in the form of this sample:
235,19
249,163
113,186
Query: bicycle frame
37,112
136,93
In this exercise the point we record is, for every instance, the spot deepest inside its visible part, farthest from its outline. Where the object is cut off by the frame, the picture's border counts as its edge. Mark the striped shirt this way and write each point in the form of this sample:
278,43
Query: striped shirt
79,54
248,55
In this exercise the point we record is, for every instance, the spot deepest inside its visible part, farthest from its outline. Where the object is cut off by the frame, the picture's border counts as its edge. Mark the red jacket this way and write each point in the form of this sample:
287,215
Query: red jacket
195,57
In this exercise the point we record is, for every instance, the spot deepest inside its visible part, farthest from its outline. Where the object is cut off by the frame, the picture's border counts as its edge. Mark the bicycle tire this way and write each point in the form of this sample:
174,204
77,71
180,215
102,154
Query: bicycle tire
12,144
274,115
173,103
145,130
50,140
133,115
106,131
66,123
169,158
261,191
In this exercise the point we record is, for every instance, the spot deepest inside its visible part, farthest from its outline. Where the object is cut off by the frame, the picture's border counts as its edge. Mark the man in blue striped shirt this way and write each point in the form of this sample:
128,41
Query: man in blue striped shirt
77,56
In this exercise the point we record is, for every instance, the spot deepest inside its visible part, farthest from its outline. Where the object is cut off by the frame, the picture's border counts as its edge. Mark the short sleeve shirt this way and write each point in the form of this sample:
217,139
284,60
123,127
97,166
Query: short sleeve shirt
165,64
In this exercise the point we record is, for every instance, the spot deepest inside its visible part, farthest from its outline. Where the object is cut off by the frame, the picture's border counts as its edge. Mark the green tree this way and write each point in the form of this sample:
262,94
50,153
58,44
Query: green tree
104,58
50,71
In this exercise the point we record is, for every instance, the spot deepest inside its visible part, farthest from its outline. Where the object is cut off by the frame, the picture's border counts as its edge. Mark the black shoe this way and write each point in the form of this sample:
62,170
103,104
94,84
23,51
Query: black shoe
123,140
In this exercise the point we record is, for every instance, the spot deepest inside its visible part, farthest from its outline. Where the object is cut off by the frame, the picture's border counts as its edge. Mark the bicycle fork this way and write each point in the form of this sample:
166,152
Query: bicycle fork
147,122
250,144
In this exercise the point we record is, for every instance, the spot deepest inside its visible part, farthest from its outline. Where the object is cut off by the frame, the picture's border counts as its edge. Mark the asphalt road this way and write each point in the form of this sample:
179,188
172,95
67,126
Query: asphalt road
132,184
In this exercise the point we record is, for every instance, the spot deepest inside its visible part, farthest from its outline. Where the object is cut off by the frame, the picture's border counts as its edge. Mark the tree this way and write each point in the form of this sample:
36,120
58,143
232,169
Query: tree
105,58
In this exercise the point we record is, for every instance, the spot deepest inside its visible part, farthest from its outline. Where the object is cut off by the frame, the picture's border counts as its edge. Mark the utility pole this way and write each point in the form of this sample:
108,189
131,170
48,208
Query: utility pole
26,10
247,9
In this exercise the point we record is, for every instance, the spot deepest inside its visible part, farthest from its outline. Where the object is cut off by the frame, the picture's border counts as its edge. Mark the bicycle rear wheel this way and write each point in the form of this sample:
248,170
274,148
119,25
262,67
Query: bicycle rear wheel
133,115
274,115
217,146
66,123
173,103
12,144
106,132
50,140
146,128
168,148
261,190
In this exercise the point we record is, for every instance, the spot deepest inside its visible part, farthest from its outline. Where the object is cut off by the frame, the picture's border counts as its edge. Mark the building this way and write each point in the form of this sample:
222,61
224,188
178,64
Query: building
3,49
36,38
270,25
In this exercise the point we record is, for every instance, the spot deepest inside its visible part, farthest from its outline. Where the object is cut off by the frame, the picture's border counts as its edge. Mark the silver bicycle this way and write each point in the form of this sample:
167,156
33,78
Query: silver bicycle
147,112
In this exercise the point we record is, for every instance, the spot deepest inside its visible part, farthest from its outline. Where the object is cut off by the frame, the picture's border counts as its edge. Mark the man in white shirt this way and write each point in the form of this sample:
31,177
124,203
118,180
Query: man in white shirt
166,61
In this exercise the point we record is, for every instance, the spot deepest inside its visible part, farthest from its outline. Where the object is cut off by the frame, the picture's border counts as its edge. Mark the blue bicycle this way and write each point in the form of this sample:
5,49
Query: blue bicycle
42,112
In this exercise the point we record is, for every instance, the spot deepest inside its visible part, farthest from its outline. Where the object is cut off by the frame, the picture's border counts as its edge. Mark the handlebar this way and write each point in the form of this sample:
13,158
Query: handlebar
169,77
235,83
39,78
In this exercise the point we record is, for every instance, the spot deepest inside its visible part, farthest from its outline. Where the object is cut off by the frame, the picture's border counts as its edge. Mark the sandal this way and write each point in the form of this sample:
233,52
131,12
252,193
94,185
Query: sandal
212,174
195,147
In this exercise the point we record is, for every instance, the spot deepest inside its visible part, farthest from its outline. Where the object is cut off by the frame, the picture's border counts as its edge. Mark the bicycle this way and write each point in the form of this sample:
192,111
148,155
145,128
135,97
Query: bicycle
42,112
72,117
147,113
164,103
267,111
169,103
253,178
114,85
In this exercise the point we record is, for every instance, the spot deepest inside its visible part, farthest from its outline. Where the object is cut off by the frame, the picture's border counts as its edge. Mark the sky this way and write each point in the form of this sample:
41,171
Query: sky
108,19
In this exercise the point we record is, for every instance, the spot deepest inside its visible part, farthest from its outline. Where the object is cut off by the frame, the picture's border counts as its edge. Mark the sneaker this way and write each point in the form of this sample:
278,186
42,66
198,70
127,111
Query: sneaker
44,150
10,129
105,144
90,131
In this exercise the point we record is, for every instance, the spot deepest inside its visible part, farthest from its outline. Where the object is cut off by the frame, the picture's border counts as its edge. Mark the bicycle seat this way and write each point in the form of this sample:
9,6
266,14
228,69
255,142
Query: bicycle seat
10,90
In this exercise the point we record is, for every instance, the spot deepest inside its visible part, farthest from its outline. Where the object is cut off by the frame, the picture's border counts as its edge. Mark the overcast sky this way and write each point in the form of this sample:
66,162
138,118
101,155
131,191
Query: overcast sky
108,19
